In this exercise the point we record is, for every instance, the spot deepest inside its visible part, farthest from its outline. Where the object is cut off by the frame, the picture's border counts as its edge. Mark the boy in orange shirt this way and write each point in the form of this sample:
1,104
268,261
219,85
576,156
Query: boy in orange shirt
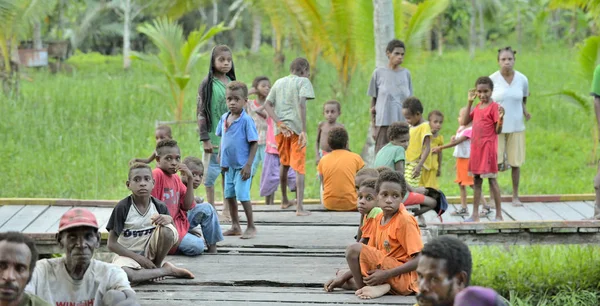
337,170
388,262
367,206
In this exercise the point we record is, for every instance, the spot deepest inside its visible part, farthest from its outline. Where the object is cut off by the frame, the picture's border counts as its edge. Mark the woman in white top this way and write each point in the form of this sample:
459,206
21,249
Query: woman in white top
511,89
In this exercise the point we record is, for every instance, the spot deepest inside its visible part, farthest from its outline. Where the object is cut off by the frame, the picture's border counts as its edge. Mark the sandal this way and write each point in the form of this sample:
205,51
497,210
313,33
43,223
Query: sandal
485,211
463,211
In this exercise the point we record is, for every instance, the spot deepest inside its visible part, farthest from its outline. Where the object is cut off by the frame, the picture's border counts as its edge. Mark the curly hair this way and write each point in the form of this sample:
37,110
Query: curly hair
370,182
299,64
18,238
455,253
338,138
413,104
138,166
333,102
259,79
166,143
237,85
507,49
194,163
166,129
367,172
435,113
396,129
393,44
485,80
393,177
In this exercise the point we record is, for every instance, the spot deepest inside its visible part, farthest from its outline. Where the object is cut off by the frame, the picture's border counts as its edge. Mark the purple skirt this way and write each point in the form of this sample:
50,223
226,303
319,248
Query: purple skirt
269,179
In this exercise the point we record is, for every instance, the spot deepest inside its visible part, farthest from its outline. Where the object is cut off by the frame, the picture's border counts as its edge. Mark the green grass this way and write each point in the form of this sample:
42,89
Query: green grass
71,136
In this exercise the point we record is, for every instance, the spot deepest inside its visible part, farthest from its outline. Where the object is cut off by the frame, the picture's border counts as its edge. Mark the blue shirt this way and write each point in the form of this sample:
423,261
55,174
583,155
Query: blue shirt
235,141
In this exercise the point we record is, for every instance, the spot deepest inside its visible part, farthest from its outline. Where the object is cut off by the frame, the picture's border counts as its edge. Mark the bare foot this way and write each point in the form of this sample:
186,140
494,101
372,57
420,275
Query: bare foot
499,218
158,279
233,231
212,249
225,219
302,213
372,292
337,282
178,272
249,233
516,202
287,204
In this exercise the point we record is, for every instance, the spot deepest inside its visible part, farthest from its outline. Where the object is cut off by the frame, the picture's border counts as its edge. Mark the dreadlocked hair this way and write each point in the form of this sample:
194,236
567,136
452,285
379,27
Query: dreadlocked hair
207,86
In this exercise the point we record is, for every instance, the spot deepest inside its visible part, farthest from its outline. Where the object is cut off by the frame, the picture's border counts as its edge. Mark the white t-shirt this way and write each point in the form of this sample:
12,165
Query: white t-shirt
510,97
51,282
463,149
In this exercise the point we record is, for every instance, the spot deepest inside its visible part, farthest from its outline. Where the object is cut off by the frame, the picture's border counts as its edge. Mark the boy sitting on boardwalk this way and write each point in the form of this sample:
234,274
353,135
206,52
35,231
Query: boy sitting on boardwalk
286,104
141,231
337,170
239,143
388,262
368,208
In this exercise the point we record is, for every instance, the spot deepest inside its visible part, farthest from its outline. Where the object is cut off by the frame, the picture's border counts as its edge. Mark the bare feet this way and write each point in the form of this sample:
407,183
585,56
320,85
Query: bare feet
338,282
302,213
177,272
516,202
249,233
499,218
287,204
233,231
225,219
212,249
372,292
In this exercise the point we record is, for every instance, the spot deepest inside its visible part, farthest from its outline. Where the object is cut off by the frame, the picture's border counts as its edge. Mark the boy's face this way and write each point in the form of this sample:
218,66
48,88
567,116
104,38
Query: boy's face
169,159
140,182
367,199
235,101
390,197
435,122
412,119
264,87
161,134
197,173
396,57
331,112
403,140
304,73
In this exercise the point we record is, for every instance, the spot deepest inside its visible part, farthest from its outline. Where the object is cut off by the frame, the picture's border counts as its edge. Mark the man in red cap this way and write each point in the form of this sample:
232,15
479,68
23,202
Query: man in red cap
77,278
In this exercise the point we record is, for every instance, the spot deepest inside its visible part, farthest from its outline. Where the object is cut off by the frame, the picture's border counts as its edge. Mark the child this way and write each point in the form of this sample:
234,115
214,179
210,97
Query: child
202,217
367,206
286,104
363,174
433,163
209,109
388,262
162,132
487,119
462,150
332,110
337,171
141,231
392,155
420,136
238,148
260,86
179,198
272,171
388,89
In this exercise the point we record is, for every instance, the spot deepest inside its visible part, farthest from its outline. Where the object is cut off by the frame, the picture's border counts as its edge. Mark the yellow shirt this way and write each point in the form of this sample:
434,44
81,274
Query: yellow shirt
415,145
431,163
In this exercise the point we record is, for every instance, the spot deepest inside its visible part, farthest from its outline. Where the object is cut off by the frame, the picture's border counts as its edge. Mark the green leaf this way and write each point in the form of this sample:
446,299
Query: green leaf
422,21
589,56
573,97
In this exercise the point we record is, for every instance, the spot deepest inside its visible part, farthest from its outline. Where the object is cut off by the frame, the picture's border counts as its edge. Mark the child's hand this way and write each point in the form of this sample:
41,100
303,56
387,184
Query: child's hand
252,91
184,170
161,219
439,172
246,172
208,147
416,171
501,111
436,150
453,138
472,94
302,140
376,277
284,129
145,262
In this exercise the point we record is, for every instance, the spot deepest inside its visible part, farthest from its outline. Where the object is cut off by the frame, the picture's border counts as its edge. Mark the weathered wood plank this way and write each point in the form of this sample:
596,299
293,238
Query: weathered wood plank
581,207
350,218
543,211
471,226
200,302
277,208
564,210
519,213
7,212
590,203
23,218
48,220
528,238
102,215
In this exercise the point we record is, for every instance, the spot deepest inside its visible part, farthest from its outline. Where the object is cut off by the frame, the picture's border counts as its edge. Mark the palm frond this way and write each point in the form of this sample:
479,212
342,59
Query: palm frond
572,97
422,21
589,56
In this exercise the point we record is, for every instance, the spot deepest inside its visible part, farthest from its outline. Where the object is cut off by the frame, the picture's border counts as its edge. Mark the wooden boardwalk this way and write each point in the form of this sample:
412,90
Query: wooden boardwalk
291,257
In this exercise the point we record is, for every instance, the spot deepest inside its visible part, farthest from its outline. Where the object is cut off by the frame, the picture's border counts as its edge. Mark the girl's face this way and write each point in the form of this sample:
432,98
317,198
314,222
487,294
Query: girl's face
264,87
506,60
223,62
484,92
436,123
412,119
367,199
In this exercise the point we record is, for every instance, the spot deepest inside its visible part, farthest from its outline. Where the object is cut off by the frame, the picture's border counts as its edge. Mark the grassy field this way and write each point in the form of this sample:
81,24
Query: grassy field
71,136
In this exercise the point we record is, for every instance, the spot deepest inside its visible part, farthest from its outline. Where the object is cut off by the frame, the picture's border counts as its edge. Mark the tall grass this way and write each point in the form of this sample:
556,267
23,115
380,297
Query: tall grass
71,136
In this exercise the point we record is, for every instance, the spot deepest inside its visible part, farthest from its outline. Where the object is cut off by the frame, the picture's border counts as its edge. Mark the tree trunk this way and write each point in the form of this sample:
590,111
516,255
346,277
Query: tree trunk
481,25
126,34
383,24
472,32
37,36
256,32
518,27
215,12
440,36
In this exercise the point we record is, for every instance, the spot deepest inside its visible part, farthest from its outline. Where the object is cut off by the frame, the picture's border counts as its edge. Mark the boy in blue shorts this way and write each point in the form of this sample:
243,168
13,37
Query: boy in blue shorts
239,142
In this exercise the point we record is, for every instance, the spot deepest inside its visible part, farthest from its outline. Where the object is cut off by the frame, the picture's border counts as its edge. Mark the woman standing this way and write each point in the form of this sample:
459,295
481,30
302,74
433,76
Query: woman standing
511,89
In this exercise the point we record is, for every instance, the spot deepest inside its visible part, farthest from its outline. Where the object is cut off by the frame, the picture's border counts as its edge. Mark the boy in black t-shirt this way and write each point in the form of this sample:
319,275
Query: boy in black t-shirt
141,231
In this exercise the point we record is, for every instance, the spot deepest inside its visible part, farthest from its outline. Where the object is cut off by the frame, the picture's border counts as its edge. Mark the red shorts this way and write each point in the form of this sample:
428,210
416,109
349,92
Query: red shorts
413,198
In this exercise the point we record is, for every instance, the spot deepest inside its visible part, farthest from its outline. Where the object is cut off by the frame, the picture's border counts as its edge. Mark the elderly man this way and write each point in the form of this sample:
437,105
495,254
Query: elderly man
17,261
444,272
77,278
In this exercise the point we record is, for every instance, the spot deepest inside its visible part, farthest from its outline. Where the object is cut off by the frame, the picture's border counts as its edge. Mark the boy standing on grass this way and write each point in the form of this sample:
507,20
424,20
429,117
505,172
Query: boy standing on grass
286,104
388,89
238,148
141,231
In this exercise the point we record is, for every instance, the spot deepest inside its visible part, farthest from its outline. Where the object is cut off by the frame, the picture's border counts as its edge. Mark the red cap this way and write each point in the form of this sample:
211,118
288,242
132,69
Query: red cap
77,217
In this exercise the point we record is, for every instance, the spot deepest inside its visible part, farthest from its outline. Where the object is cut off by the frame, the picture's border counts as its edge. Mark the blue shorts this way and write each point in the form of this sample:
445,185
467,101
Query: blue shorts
213,171
235,187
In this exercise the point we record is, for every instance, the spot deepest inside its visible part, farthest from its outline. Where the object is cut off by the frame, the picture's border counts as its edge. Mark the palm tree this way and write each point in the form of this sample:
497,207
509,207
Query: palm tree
176,57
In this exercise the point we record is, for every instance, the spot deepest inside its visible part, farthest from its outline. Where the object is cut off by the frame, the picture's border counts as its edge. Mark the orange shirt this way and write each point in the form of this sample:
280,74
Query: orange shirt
338,169
400,238
369,222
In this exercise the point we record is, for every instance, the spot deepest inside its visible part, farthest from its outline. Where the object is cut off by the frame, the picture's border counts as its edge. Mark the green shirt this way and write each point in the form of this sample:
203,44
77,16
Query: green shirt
33,300
389,155
218,107
285,97
596,82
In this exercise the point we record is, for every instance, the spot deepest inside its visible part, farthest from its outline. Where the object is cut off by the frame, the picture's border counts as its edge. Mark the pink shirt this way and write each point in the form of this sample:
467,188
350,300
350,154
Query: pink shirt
171,190
271,142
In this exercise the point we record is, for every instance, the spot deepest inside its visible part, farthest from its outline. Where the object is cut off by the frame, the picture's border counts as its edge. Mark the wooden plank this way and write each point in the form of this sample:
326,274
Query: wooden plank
564,210
590,203
48,220
582,208
316,218
7,212
471,226
199,301
277,208
520,213
23,218
543,211
528,238
102,215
